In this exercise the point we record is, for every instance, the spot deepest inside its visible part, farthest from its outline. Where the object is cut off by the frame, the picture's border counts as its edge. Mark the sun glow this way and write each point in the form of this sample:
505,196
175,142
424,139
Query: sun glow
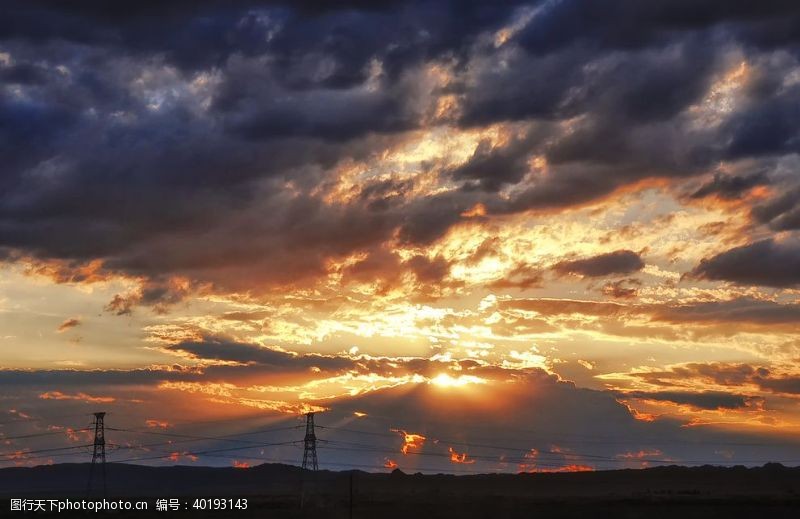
445,380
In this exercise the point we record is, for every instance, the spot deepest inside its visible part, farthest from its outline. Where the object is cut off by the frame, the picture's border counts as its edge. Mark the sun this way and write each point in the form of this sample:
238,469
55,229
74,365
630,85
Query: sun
445,380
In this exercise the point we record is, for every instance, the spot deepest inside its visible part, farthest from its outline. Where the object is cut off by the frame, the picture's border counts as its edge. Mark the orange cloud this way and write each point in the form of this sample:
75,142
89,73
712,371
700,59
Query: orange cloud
639,454
390,464
20,414
410,440
176,456
476,210
572,468
58,395
66,272
240,464
68,324
456,457
71,433
530,464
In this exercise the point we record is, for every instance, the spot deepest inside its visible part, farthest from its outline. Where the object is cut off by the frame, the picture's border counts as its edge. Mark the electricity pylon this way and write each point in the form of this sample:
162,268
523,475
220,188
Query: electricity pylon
99,451
310,444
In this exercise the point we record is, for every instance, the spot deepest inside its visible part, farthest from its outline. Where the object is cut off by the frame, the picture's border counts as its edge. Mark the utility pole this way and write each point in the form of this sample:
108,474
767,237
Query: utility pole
99,451
310,443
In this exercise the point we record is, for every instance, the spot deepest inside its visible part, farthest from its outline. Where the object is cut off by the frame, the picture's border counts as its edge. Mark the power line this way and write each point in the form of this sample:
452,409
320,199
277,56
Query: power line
228,438
566,455
205,452
26,458
583,438
30,419
641,441
537,460
543,457
8,454
36,435
494,446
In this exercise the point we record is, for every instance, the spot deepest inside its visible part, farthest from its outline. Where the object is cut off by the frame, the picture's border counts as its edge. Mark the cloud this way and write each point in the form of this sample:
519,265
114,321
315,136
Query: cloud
767,263
617,262
213,359
223,124
490,167
625,24
547,306
782,212
730,186
215,348
557,408
725,375
698,400
522,276
68,324
83,397
213,152
428,270
619,290
741,310
494,424
770,128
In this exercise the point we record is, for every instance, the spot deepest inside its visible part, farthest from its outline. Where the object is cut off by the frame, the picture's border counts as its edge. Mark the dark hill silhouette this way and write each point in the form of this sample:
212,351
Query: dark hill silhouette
274,491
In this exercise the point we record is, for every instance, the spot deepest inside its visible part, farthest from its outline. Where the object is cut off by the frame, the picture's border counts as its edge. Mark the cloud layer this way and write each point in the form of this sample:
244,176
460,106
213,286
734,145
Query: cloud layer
558,216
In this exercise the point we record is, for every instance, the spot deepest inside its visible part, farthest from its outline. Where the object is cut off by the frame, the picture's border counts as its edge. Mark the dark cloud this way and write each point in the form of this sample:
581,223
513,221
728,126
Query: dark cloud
222,360
625,24
769,128
429,218
782,212
196,146
724,374
194,35
225,349
739,310
730,186
617,262
385,194
621,289
491,167
698,400
522,276
718,373
199,140
767,262
789,385
256,112
121,305
429,270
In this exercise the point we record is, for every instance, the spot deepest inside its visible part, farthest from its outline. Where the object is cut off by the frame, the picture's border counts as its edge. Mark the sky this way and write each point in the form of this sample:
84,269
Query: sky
470,236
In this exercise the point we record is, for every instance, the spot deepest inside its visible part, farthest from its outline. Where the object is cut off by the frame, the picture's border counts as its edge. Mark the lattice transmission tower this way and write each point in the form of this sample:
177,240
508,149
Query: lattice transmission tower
310,444
99,453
